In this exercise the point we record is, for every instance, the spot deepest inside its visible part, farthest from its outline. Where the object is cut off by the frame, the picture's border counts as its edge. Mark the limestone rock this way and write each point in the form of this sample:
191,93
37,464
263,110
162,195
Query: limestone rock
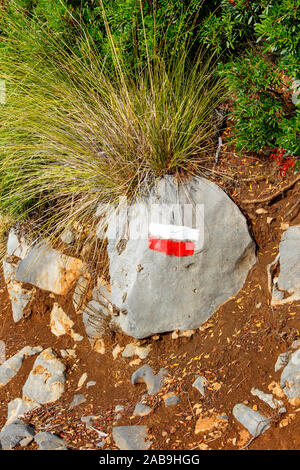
135,350
61,324
48,441
131,437
141,409
17,408
13,433
153,382
252,420
19,296
46,381
200,384
290,377
12,365
17,244
49,269
155,292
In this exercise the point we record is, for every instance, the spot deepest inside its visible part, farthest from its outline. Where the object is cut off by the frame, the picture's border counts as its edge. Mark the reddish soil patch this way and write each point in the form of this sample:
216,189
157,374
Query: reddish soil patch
235,350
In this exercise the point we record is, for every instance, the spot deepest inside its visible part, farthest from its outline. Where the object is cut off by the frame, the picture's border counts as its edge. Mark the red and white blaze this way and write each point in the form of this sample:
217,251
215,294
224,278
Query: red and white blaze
174,240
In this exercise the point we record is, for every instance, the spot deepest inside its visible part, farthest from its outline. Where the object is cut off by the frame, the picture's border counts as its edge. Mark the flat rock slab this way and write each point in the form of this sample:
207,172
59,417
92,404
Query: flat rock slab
252,420
153,382
46,381
12,366
13,433
156,292
290,377
48,441
131,437
49,269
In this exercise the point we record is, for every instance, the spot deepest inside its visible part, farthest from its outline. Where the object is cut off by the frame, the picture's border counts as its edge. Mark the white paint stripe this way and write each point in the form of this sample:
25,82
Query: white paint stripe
174,232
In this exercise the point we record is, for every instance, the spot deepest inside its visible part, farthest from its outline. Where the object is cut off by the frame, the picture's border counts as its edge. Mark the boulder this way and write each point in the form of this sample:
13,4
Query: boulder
12,365
131,437
49,269
176,256
46,381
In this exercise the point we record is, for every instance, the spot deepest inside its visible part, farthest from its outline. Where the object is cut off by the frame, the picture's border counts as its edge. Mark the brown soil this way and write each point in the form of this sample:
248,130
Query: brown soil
235,350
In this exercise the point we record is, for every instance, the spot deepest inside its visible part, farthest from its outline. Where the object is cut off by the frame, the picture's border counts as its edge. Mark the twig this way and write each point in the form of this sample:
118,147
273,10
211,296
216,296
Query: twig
292,209
269,198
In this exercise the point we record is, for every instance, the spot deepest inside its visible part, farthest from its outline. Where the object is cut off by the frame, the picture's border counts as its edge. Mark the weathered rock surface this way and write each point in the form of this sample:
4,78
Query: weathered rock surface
290,377
282,360
48,441
153,382
252,420
17,244
78,399
12,434
267,398
131,437
97,322
289,259
141,409
61,324
46,381
171,399
17,408
19,296
157,293
48,269
135,350
12,366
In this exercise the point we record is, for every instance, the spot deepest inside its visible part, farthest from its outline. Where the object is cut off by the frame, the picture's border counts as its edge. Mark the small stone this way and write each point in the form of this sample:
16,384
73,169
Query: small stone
209,423
261,211
252,420
46,381
11,366
13,433
153,382
258,305
78,399
48,441
141,410
82,380
91,383
172,400
116,351
282,360
290,377
267,398
131,437
200,384
135,350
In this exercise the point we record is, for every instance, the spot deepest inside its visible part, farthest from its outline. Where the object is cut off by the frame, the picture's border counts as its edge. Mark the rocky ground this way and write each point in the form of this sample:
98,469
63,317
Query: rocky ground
232,357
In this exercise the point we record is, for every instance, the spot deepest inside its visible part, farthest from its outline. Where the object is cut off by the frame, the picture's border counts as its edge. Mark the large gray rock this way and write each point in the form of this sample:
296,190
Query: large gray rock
46,381
12,366
155,292
252,420
290,377
49,269
12,434
131,437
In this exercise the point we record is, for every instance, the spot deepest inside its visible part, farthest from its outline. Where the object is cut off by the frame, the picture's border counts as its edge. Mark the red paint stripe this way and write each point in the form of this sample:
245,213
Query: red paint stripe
171,247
